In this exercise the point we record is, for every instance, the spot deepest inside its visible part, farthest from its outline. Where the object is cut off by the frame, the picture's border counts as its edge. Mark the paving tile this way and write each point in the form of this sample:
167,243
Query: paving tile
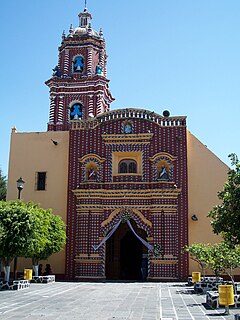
105,301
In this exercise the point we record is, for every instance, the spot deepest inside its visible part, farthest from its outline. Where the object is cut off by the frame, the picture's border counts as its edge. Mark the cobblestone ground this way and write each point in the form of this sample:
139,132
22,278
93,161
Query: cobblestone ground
105,301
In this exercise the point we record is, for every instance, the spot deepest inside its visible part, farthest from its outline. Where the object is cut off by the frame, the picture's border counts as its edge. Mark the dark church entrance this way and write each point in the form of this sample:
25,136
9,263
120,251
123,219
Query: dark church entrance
126,256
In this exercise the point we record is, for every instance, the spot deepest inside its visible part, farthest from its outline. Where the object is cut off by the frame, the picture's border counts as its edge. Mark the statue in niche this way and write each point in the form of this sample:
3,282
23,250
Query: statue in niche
56,72
92,174
99,70
78,64
163,173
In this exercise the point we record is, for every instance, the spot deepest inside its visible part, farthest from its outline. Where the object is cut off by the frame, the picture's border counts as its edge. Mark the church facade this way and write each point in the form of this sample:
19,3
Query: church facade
132,166
126,182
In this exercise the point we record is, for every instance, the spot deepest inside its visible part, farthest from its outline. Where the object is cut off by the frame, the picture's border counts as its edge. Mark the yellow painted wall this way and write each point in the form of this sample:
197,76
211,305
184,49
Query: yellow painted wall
35,152
206,176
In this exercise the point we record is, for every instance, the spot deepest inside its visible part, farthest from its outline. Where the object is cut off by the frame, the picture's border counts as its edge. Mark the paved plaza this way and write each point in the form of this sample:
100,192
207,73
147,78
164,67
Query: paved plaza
107,301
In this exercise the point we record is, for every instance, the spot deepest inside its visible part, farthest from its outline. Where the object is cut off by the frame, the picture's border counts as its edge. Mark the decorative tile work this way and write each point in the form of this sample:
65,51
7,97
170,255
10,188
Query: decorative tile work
162,203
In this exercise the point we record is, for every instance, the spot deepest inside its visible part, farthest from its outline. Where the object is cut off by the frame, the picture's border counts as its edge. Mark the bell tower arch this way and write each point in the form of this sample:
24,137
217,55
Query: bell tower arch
80,76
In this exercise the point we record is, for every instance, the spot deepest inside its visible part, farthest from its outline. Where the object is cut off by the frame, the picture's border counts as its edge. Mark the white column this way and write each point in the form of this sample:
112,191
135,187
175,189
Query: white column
89,62
90,106
66,63
99,104
101,58
52,109
60,110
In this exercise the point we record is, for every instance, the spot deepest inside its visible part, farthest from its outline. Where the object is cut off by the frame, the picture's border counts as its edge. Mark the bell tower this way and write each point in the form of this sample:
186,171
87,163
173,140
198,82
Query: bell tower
78,86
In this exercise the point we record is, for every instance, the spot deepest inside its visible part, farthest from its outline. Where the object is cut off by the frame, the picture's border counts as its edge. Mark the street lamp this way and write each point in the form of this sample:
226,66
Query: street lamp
20,184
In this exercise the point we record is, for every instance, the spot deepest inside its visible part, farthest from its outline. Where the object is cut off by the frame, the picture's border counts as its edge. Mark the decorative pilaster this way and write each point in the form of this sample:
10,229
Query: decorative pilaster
90,108
52,109
99,104
60,110
66,63
89,63
105,67
101,58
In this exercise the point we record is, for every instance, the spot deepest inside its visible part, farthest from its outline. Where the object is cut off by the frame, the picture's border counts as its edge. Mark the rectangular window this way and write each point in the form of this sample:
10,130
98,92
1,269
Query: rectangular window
41,180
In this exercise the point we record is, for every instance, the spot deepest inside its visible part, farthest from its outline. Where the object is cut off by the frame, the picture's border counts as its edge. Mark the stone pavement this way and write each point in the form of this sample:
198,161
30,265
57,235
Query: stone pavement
107,301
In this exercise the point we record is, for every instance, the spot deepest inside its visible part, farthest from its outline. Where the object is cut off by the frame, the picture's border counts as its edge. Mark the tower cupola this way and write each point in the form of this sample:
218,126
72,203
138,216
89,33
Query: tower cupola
84,18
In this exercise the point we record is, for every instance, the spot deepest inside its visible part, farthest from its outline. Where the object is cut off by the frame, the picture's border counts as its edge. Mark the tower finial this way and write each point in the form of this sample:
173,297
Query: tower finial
85,17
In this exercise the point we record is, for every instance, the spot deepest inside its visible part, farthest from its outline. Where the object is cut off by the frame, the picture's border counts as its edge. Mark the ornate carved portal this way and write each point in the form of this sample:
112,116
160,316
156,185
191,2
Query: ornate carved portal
126,257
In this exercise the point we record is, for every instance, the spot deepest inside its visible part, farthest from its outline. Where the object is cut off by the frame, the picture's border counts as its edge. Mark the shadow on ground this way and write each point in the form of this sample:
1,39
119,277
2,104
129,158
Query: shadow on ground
187,291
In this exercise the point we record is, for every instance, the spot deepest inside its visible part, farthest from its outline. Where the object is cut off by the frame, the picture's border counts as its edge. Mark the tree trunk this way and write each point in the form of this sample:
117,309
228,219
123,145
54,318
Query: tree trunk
35,269
6,262
6,273
230,274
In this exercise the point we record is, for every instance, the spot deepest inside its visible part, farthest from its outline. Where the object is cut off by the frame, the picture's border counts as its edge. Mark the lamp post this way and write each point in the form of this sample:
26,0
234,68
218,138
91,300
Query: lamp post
20,184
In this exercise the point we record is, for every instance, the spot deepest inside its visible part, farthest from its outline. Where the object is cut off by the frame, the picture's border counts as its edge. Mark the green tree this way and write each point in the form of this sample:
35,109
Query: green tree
224,258
199,252
20,231
220,257
231,262
3,186
28,231
55,236
225,217
216,259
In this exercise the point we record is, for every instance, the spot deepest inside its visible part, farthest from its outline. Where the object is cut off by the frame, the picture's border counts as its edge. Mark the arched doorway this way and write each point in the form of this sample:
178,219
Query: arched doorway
126,256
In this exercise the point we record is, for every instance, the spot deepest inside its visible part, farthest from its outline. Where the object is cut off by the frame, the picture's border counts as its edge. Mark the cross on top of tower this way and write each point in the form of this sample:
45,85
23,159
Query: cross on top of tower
85,6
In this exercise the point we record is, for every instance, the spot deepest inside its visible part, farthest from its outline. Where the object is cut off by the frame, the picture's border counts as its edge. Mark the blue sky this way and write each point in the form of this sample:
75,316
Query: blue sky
179,55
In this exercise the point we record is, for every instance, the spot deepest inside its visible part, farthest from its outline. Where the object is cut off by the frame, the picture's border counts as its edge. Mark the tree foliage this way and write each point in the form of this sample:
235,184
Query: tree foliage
200,253
17,221
26,230
3,186
1,232
225,217
216,261
55,237
221,257
225,258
